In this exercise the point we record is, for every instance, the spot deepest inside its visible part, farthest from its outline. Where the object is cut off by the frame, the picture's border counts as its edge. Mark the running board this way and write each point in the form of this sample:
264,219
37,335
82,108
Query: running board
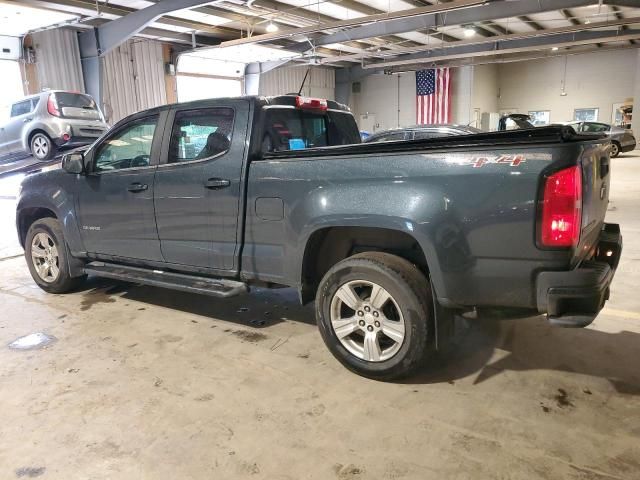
215,287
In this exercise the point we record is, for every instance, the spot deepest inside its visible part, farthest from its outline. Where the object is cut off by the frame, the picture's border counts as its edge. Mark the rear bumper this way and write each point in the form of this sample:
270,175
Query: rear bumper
628,147
74,142
574,298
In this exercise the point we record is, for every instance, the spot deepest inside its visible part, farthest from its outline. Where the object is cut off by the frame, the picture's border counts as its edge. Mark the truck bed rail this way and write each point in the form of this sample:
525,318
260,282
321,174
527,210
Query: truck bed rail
539,135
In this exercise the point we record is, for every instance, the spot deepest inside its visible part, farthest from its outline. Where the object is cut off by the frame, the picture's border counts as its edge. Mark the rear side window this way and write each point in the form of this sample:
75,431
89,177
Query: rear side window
424,134
595,127
294,129
200,134
391,137
21,108
345,131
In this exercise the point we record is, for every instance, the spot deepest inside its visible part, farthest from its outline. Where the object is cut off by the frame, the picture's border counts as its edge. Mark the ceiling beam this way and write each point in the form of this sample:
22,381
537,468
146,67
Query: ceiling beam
512,46
531,23
186,38
495,41
472,15
369,10
338,24
568,15
512,58
88,8
315,18
115,32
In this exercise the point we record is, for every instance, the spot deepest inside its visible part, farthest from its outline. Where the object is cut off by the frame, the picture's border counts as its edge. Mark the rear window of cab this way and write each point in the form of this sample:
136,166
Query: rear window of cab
298,129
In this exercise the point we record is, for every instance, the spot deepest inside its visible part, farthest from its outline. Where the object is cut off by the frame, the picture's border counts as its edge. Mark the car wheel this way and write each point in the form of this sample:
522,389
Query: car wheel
614,150
47,257
42,148
374,311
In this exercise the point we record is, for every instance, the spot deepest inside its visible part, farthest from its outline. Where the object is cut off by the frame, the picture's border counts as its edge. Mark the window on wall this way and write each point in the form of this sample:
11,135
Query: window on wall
585,114
198,88
540,117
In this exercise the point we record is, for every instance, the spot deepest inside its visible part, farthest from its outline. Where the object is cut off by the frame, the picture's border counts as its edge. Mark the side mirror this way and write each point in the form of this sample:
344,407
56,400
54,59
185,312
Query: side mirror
73,163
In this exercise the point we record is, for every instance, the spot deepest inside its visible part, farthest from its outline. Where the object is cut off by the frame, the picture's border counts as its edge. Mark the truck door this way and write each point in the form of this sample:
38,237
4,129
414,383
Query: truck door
115,198
197,185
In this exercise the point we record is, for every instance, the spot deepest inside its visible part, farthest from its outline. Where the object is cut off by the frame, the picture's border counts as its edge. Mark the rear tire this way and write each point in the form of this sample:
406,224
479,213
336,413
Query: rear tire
47,257
614,150
42,147
375,314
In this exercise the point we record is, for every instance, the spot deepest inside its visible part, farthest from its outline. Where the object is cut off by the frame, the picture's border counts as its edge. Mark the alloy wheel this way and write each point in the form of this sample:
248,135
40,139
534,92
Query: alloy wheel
45,258
367,320
40,146
614,150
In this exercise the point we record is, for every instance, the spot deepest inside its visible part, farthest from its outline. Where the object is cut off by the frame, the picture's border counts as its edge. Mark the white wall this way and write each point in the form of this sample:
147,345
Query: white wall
635,125
485,88
379,96
592,80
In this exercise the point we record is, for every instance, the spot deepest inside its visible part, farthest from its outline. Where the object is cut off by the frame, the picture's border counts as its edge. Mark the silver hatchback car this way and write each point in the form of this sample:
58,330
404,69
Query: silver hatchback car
41,124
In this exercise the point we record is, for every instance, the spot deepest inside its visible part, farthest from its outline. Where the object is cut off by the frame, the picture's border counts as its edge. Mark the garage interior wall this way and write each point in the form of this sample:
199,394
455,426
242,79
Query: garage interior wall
58,59
134,79
320,83
392,98
592,80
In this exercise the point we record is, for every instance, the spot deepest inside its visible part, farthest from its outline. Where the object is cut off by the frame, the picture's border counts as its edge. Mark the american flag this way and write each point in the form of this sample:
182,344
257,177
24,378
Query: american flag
433,96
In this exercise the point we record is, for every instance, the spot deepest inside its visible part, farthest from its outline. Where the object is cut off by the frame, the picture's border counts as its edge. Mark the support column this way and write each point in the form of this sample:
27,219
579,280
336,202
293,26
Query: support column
343,85
635,123
91,65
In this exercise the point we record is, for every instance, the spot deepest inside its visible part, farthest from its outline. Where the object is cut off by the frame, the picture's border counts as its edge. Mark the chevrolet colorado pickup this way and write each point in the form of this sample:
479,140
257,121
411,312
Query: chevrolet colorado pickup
390,239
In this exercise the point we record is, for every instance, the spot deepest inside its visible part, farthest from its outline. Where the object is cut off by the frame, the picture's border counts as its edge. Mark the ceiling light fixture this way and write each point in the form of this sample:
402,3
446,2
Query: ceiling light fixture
469,32
272,27
554,49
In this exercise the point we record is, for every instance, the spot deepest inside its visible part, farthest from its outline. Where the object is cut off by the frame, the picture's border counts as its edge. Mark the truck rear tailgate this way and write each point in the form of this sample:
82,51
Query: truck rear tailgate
596,174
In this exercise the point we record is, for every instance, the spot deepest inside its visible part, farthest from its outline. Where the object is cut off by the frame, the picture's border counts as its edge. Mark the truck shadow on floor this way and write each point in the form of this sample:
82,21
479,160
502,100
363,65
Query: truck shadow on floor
259,309
485,347
490,346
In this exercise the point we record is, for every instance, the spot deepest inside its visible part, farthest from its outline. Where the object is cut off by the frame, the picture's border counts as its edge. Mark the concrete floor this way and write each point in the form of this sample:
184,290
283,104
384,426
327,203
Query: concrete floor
144,383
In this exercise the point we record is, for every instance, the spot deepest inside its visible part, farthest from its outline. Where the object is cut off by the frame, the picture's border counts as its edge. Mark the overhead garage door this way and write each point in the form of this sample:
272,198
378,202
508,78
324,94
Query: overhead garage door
133,79
58,59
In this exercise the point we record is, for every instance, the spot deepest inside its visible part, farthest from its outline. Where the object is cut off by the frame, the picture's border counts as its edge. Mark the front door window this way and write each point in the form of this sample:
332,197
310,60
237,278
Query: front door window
129,148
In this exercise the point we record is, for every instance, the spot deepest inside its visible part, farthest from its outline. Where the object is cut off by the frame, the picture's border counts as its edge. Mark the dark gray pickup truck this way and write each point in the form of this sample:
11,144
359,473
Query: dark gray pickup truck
390,239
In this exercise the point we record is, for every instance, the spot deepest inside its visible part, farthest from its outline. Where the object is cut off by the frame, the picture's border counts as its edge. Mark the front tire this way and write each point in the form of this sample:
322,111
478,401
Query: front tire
375,311
47,257
615,150
42,147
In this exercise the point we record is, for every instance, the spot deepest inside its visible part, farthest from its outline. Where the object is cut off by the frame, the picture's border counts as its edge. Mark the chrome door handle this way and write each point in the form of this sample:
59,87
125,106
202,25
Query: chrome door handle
26,120
137,187
215,183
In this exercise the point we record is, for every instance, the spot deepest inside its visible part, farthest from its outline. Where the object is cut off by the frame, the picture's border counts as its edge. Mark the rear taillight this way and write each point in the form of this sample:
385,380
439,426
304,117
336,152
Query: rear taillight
52,106
562,209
